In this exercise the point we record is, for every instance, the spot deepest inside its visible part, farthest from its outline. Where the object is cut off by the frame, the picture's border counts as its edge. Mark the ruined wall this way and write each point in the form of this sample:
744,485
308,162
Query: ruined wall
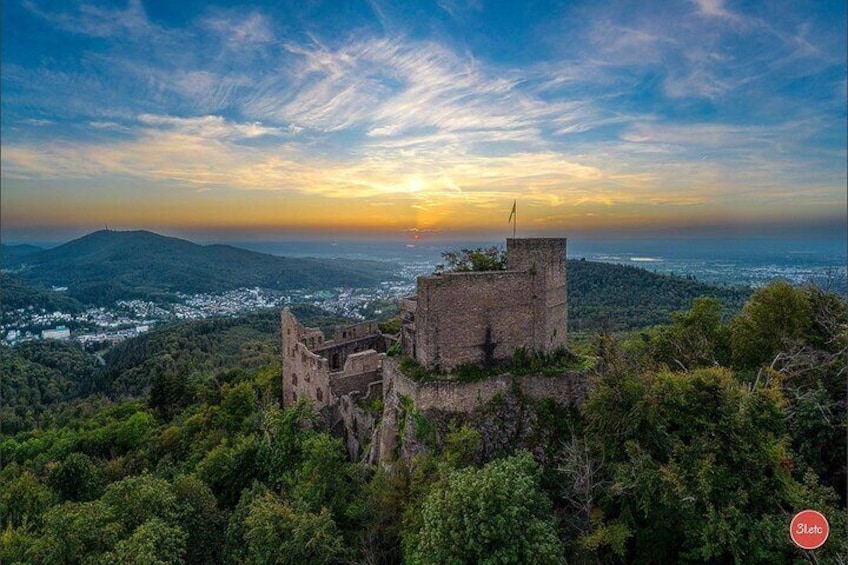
360,370
452,398
304,373
478,317
354,331
481,317
337,353
322,371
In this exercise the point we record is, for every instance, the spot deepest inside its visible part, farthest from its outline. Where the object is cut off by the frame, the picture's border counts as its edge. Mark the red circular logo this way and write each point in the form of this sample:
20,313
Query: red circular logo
809,529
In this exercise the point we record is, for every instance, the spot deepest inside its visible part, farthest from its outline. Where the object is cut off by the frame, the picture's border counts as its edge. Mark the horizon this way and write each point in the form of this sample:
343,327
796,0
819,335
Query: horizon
833,237
366,119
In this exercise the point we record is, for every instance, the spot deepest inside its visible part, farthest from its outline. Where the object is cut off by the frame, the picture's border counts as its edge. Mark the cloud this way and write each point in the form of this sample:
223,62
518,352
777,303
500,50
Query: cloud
238,32
91,20
209,127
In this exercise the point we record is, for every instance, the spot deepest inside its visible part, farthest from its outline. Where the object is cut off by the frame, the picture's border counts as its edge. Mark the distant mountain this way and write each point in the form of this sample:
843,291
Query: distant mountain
108,265
617,297
14,254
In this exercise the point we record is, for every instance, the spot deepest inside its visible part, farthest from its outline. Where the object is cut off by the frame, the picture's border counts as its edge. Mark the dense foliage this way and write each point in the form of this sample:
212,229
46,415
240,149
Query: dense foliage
699,442
619,297
105,266
17,293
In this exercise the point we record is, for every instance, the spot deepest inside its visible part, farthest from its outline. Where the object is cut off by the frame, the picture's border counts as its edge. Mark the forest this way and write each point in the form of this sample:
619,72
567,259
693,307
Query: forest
701,438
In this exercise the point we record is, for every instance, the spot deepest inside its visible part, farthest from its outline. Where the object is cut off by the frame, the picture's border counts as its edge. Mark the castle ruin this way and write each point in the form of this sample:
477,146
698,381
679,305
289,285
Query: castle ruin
455,319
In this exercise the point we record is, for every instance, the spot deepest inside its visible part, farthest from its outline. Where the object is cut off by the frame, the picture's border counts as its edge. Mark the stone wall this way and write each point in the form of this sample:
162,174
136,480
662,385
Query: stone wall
545,258
337,353
472,318
482,317
322,371
354,331
453,396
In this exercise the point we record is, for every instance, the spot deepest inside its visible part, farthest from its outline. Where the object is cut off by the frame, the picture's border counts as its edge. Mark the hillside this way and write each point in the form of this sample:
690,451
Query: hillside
108,265
41,374
12,254
610,296
17,293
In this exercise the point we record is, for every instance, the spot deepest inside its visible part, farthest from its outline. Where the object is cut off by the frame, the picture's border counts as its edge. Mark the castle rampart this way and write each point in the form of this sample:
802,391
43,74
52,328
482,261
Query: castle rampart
455,396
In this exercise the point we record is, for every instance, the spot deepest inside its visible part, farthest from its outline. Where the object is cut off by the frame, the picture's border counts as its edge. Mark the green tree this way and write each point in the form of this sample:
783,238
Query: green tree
201,520
23,500
229,468
73,532
776,317
699,466
496,514
77,479
696,338
325,479
135,500
152,543
277,534
238,405
479,259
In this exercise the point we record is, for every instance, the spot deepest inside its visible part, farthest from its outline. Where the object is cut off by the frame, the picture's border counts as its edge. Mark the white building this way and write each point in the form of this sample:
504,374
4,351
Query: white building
61,332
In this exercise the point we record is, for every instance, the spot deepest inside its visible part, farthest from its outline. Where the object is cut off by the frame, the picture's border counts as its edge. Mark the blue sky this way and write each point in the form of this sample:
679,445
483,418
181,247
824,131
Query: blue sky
390,118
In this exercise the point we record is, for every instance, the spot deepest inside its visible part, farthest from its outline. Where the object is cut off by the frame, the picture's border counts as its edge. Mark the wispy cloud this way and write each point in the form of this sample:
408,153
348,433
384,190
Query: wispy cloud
676,105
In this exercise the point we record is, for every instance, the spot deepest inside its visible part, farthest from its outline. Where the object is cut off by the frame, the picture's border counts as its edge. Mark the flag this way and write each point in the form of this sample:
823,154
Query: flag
512,214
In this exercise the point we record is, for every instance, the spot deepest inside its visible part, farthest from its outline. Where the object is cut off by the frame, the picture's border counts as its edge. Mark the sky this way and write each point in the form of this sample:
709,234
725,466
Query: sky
422,119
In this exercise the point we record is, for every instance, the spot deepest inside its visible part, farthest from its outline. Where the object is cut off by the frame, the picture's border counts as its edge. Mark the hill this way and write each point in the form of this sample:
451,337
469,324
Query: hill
108,265
17,293
617,297
16,253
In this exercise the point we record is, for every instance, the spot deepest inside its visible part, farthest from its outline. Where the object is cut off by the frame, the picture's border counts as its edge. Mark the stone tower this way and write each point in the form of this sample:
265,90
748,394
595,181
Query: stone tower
544,260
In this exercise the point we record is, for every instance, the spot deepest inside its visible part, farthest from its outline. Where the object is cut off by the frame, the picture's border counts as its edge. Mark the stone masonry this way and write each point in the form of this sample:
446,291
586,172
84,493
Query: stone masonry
454,319
483,317
324,371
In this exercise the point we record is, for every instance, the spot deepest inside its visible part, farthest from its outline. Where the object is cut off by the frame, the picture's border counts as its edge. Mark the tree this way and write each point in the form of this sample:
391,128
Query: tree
23,500
496,514
201,520
277,534
77,479
152,543
135,500
479,259
699,466
75,531
777,316
696,337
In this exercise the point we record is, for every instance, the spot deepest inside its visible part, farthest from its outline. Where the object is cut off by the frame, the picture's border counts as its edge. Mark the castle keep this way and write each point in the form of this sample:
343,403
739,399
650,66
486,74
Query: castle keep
483,317
454,319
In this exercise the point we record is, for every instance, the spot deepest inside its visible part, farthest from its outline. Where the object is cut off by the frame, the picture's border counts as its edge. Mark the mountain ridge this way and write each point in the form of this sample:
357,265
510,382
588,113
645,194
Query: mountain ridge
103,266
